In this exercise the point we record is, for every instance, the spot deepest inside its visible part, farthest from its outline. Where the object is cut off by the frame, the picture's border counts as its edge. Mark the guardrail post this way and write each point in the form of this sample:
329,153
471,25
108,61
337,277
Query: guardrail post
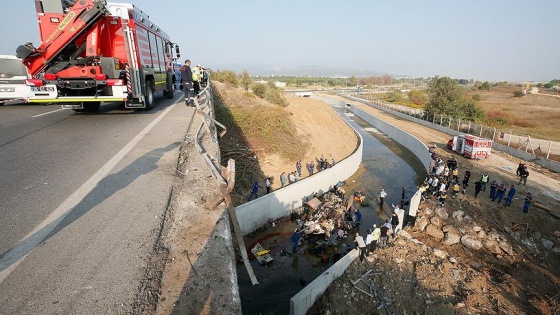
549,148
509,140
459,125
481,131
494,136
469,129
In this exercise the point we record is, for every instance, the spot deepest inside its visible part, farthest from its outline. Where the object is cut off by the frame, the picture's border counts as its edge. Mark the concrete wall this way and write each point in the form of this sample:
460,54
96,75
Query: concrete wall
549,164
283,201
412,143
304,299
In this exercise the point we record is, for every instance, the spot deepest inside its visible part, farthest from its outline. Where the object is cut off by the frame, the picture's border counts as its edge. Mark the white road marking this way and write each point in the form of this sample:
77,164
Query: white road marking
10,260
43,114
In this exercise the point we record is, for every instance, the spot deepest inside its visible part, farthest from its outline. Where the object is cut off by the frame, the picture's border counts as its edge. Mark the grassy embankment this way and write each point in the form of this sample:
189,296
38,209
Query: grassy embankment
256,128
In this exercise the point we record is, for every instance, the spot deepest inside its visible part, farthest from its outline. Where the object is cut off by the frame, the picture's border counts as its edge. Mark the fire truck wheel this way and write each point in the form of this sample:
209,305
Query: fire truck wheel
149,97
1,103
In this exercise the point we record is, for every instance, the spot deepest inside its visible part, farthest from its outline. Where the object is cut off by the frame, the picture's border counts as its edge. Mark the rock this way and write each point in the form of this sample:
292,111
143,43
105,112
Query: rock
452,260
437,221
515,235
506,247
481,234
421,224
476,228
556,249
434,231
404,234
547,243
450,228
467,218
456,274
492,246
536,235
530,244
442,213
439,253
494,235
460,305
471,242
428,212
451,238
458,215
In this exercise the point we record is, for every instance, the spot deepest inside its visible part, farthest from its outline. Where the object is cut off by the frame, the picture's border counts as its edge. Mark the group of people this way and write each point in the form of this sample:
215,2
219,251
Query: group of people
376,236
190,80
445,176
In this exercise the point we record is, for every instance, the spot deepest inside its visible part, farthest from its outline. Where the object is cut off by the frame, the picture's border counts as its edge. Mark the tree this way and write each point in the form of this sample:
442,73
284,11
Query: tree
394,96
442,92
259,89
418,97
245,80
485,86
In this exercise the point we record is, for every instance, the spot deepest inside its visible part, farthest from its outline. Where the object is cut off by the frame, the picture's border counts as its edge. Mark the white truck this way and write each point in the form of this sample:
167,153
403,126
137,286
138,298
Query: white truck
470,146
12,76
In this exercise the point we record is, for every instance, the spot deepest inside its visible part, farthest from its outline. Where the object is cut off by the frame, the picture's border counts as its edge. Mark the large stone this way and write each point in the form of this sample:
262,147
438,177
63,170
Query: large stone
440,254
428,212
434,231
481,234
506,247
458,215
471,242
476,228
442,213
547,243
516,235
404,234
451,238
437,221
450,228
492,246
530,244
421,224
556,249
537,235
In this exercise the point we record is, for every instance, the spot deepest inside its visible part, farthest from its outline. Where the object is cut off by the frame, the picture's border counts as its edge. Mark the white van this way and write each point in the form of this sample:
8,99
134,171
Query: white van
12,76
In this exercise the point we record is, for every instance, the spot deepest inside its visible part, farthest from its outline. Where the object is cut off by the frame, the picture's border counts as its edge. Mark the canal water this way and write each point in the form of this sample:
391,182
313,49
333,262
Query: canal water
385,164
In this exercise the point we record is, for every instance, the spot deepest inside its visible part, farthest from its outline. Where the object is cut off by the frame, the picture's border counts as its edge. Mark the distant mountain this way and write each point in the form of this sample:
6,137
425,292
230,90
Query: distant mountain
311,71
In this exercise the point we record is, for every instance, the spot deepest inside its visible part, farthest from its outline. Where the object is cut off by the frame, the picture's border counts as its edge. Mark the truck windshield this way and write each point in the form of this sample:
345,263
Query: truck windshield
11,68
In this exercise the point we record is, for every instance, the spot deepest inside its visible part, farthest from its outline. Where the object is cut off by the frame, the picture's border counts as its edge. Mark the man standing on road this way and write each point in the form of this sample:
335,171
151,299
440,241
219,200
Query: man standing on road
283,179
484,180
311,167
361,245
382,195
268,183
298,168
369,240
196,76
186,76
384,234
255,190
510,195
295,241
527,203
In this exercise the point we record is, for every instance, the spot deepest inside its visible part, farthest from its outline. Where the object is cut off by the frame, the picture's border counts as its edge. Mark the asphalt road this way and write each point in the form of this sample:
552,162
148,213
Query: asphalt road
81,199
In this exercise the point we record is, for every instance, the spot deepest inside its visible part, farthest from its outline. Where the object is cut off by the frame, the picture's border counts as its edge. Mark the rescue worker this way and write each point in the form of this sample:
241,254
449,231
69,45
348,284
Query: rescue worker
442,198
186,76
523,176
527,202
456,189
493,189
501,192
196,76
484,180
510,195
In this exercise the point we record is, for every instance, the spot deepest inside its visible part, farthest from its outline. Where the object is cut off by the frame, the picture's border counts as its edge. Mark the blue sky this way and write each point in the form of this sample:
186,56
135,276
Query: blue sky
481,39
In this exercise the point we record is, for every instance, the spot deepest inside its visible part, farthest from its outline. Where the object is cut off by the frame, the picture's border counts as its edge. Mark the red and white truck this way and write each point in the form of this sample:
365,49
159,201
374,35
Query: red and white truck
93,51
470,146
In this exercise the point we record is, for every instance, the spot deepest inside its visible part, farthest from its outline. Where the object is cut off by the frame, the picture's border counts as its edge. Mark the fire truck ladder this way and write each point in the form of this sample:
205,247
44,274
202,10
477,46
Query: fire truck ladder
134,83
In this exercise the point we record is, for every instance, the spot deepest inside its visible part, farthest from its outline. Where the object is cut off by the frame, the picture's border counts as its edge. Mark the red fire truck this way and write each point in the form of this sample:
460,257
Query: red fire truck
93,51
470,146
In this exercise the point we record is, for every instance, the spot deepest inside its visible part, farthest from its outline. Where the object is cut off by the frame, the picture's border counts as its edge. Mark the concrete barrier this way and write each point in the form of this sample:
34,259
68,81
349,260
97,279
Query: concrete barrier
282,202
412,143
304,299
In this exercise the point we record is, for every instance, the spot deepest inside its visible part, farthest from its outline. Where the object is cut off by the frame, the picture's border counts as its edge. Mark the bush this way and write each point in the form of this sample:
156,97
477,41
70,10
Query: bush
518,94
227,76
476,97
275,96
259,89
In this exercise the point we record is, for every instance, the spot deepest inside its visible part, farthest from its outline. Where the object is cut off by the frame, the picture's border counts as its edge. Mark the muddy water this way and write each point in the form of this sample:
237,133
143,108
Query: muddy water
385,164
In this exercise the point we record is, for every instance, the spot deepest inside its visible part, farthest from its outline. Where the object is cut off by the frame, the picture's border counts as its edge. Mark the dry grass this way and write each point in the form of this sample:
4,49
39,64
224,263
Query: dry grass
536,115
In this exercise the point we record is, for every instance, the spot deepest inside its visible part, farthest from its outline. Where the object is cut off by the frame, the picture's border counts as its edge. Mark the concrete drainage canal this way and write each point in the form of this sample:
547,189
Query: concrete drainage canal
385,164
